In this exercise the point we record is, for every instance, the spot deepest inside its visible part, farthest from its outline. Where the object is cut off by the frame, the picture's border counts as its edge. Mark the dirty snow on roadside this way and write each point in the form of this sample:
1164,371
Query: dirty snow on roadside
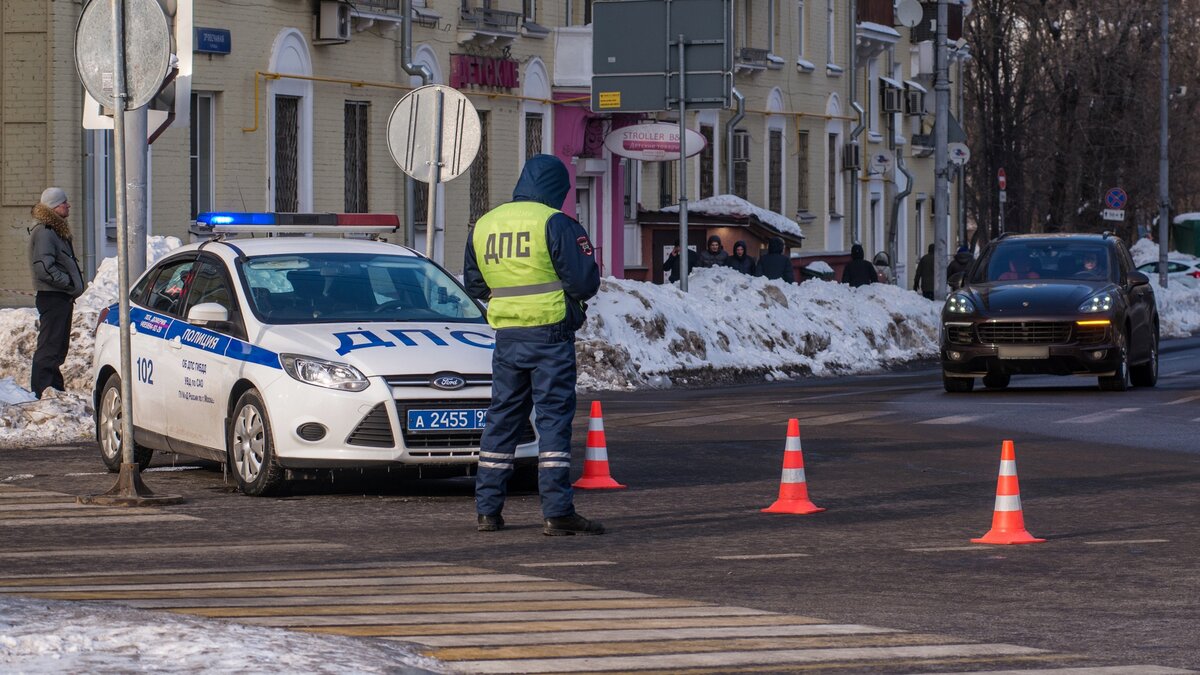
47,636
1178,306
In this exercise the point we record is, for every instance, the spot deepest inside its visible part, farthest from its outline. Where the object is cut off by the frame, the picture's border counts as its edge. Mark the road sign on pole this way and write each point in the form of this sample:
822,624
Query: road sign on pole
433,135
1115,198
1002,179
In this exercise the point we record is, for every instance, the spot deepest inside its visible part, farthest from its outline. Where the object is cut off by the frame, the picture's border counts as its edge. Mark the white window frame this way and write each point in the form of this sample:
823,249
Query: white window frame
289,55
536,86
801,32
831,33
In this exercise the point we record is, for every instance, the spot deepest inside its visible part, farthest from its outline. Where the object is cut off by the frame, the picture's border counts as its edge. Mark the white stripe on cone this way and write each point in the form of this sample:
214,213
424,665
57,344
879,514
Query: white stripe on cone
596,454
793,475
1008,502
1008,467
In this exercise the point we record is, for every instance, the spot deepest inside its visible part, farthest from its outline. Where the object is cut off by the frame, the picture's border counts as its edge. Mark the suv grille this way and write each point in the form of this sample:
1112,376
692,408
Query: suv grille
960,335
1091,335
467,438
1024,332
374,430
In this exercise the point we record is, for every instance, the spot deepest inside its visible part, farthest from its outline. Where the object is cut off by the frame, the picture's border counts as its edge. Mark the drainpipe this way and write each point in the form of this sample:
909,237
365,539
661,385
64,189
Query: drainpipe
729,127
894,230
85,202
857,131
410,185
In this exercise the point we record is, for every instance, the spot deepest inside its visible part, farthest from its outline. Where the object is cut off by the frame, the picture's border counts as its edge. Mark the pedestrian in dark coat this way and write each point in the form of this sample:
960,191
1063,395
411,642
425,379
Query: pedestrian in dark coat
959,266
714,253
740,261
58,281
923,279
775,264
671,264
858,272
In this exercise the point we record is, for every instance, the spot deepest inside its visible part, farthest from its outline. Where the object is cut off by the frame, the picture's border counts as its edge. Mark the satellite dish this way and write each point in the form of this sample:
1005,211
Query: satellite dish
909,13
881,161
959,153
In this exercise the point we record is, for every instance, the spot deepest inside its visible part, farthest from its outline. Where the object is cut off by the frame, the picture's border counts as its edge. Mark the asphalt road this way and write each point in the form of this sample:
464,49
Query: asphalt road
906,471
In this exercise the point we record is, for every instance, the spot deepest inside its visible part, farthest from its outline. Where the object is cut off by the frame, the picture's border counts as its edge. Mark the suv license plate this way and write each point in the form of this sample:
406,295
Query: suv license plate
1022,352
447,420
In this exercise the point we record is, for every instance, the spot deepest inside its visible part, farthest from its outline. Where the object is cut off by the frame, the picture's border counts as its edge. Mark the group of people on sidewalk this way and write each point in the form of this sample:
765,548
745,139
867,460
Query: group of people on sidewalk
774,264
923,281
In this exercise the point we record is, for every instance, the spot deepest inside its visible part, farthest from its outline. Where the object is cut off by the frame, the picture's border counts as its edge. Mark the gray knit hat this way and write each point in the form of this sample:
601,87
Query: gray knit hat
53,196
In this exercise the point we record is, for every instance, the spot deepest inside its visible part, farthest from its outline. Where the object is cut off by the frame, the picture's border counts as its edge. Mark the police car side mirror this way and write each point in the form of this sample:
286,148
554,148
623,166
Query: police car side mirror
208,313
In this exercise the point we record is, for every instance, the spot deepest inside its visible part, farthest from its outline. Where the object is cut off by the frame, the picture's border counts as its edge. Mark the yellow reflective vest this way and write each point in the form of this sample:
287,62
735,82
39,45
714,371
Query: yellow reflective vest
514,259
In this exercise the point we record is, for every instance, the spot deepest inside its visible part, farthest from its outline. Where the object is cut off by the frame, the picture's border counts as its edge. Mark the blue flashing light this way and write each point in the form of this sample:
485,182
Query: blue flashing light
225,218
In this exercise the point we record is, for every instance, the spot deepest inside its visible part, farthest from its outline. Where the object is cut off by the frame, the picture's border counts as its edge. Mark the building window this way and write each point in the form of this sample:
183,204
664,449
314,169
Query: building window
801,30
533,134
200,153
356,156
631,187
579,12
479,173
745,24
741,163
420,205
287,153
529,10
802,202
666,183
707,166
831,29
773,20
832,173
775,171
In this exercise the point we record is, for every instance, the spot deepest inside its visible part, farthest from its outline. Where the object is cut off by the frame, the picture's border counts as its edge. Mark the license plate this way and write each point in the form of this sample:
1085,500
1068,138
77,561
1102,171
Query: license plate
447,420
1022,352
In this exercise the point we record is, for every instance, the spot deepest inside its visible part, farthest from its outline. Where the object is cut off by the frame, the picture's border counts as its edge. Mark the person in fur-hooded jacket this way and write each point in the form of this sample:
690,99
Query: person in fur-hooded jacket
58,281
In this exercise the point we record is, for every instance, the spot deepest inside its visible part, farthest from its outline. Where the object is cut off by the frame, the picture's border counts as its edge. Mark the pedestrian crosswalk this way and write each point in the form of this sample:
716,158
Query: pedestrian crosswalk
479,620
22,507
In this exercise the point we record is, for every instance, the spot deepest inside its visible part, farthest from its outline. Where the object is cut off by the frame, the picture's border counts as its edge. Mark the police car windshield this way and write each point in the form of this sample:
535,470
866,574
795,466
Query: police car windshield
1059,260
335,287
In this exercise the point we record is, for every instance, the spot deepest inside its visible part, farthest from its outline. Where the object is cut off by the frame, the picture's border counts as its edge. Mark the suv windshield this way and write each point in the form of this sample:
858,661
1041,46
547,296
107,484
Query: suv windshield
1041,259
336,287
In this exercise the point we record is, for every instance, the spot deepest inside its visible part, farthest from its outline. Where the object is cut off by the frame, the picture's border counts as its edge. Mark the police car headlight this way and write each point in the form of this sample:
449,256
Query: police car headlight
322,373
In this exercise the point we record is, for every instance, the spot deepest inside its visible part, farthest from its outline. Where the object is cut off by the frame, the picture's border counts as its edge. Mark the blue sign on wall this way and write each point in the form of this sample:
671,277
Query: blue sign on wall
212,41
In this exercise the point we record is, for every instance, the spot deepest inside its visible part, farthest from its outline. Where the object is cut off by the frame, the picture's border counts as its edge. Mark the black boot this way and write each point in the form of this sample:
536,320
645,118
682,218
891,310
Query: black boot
572,524
490,523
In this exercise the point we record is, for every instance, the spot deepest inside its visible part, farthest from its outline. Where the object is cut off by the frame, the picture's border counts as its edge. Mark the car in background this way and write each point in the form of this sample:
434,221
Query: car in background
1186,273
1051,304
283,356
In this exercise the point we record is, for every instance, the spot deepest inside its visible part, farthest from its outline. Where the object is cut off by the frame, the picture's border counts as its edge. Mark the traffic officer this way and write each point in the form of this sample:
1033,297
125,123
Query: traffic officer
534,266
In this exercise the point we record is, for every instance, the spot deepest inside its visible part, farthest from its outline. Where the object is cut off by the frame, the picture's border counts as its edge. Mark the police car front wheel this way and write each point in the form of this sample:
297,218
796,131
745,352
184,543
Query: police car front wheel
251,447
108,429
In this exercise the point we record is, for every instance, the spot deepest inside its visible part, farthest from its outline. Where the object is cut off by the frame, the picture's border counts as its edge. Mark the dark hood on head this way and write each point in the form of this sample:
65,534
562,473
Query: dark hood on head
963,257
856,252
716,239
775,245
741,243
545,180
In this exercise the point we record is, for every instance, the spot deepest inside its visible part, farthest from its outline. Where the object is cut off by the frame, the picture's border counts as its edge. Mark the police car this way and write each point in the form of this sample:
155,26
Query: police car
278,355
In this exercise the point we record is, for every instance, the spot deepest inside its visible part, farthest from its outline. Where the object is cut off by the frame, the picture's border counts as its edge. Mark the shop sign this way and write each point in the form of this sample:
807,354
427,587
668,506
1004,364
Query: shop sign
483,71
654,142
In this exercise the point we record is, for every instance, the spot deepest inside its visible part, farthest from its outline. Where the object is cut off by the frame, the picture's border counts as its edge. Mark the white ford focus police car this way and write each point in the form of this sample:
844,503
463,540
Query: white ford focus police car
279,355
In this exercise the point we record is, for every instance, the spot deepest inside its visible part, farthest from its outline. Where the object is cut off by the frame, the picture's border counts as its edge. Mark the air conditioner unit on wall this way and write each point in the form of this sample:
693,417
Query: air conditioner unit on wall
850,157
893,101
741,146
914,102
334,21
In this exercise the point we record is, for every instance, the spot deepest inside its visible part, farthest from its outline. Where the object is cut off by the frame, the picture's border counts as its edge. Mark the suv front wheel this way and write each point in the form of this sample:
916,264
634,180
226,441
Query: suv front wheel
1119,381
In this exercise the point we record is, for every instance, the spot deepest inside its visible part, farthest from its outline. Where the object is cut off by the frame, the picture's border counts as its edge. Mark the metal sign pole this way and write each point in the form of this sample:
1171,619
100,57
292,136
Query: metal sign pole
941,200
683,213
435,173
1164,194
122,231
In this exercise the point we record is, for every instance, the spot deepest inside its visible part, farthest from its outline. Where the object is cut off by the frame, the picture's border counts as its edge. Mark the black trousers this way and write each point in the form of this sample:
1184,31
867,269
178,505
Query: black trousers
54,339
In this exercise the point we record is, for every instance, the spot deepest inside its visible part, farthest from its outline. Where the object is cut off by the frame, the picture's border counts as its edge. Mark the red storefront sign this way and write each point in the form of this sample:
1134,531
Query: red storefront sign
483,71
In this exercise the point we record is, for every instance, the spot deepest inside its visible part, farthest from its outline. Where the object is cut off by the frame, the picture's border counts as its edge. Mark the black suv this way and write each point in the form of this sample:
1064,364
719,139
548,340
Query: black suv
1069,304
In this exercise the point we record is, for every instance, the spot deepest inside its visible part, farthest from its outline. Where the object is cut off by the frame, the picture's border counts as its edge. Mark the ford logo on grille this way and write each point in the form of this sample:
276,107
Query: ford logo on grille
447,381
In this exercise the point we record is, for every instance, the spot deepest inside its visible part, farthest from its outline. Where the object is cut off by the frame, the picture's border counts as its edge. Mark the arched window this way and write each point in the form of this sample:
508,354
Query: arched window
289,125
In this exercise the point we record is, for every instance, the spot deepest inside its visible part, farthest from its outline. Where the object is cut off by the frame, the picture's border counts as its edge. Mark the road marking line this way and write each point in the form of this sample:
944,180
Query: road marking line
485,583
106,520
1127,541
567,628
95,512
365,603
203,573
581,563
952,419
687,646
1186,399
701,419
340,596
21,494
725,659
417,575
825,420
932,549
1097,416
524,637
1096,670
7,507
440,608
467,619
762,556
165,550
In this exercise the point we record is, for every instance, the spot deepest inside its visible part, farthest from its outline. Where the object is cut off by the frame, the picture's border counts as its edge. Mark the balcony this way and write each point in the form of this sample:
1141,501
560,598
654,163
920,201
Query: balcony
875,31
367,13
882,12
751,60
484,25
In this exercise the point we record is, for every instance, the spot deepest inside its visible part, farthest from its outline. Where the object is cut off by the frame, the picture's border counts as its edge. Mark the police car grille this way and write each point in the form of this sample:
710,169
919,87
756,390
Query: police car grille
472,380
440,444
374,430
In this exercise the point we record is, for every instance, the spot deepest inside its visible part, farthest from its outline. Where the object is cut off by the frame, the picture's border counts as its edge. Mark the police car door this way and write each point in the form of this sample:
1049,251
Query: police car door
156,308
198,376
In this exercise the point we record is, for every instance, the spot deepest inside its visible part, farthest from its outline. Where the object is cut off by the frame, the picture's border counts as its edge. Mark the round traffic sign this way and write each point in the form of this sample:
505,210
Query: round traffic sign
413,129
147,51
1115,198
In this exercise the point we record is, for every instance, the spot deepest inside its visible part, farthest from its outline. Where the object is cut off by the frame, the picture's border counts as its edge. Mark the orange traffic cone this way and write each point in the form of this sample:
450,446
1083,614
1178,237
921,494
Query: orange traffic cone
595,461
793,490
1008,521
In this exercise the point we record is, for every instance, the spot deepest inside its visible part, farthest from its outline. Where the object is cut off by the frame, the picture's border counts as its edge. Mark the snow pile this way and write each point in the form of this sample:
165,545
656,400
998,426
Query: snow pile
44,636
53,419
820,267
732,205
1178,306
11,392
728,321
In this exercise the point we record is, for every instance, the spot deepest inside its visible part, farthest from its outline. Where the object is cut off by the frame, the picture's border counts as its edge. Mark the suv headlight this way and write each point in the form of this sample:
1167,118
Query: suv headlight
322,373
960,303
1101,302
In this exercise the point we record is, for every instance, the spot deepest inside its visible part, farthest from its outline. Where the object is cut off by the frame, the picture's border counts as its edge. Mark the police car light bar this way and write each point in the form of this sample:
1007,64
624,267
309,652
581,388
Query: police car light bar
221,222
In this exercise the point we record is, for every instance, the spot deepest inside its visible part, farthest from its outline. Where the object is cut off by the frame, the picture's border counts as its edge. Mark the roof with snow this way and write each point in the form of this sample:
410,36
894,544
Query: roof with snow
732,206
